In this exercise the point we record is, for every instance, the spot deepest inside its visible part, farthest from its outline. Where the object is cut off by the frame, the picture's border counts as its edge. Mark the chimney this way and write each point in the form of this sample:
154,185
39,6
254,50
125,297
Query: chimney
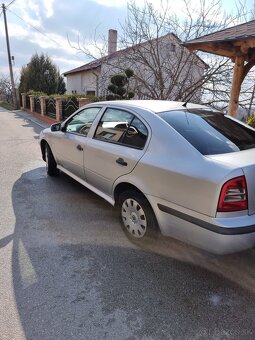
112,41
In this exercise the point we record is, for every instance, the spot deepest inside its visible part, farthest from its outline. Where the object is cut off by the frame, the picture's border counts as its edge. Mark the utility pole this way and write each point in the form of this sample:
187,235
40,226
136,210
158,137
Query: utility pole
14,94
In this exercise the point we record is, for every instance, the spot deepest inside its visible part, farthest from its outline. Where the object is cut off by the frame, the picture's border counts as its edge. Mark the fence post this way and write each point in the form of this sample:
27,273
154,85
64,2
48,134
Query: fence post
43,105
84,101
23,97
32,102
59,113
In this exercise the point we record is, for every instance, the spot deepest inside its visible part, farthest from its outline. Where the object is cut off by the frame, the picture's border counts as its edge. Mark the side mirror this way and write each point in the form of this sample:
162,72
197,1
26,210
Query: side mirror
56,127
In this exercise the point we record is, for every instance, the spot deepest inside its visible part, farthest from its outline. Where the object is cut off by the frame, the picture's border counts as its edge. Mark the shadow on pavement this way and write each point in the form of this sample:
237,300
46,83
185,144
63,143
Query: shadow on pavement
31,122
76,276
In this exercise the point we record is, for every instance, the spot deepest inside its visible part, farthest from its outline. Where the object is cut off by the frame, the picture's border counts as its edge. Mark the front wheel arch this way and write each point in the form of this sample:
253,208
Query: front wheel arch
43,147
51,165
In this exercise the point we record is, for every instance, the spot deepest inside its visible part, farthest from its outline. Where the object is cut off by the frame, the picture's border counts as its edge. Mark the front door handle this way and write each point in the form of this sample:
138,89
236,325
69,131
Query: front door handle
79,147
121,161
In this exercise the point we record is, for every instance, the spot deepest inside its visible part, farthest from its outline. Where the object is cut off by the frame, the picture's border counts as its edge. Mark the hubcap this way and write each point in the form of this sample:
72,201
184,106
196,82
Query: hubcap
134,218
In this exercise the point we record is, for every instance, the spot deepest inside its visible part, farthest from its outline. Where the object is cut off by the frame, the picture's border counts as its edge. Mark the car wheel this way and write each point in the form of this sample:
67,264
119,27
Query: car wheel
51,165
136,215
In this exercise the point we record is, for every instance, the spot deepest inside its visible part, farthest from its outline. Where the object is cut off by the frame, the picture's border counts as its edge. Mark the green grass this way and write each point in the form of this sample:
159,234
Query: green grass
6,106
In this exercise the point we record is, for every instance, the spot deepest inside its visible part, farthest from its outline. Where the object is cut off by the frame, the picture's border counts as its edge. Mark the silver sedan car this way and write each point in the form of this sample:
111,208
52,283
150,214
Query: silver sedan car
185,170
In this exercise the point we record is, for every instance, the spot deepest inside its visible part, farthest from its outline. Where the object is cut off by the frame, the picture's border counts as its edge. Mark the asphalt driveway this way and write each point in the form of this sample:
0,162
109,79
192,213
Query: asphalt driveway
69,272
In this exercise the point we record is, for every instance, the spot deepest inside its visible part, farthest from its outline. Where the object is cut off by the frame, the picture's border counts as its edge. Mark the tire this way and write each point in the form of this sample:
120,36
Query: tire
136,215
51,165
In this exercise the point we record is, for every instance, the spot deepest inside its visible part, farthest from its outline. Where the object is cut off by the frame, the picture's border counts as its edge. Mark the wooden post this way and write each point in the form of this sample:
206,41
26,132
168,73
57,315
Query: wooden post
236,85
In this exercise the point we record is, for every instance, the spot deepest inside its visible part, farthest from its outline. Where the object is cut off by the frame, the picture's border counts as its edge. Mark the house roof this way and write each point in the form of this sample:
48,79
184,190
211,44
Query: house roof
90,66
242,31
97,63
227,42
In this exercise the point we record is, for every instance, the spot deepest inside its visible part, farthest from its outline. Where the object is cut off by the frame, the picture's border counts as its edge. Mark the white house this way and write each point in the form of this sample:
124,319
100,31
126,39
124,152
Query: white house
163,69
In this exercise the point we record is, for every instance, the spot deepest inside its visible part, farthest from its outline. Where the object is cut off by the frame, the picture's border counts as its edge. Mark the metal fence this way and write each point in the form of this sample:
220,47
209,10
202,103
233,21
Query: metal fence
69,107
27,102
37,105
51,107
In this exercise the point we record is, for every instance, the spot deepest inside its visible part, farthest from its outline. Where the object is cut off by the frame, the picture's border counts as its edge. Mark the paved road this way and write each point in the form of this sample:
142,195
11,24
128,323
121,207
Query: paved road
67,271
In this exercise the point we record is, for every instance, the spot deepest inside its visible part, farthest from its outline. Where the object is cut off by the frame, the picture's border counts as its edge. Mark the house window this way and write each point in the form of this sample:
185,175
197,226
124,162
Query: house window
172,47
90,93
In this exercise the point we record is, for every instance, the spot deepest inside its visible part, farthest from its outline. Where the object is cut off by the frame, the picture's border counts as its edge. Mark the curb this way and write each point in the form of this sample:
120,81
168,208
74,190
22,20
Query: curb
45,119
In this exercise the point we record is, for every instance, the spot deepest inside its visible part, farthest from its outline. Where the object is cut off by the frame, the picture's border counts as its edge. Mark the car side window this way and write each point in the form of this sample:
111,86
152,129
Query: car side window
113,125
119,126
136,134
82,121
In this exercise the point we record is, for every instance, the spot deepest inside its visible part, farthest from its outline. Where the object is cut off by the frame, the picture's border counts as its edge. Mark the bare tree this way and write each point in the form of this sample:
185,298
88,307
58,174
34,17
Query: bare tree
151,44
6,89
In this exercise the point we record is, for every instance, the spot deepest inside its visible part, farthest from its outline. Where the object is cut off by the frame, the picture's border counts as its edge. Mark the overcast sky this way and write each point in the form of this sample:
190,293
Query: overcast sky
56,20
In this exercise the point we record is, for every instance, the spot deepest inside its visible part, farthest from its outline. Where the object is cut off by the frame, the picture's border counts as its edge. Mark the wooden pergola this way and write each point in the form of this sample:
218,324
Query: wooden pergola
236,43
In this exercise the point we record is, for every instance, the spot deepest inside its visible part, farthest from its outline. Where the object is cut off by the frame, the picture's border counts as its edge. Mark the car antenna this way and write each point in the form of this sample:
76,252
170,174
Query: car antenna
185,104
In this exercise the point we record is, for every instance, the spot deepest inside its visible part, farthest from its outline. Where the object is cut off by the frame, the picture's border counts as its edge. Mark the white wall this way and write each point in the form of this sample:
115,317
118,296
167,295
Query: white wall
177,60
73,83
179,68
82,82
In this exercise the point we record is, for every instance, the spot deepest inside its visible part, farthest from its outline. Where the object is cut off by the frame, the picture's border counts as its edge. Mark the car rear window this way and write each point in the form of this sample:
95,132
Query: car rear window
210,132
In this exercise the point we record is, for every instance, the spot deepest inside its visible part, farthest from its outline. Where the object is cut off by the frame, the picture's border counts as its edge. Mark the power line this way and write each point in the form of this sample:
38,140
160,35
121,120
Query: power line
7,6
10,3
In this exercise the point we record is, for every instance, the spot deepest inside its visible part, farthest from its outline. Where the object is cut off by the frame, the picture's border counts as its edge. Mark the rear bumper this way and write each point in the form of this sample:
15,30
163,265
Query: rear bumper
216,235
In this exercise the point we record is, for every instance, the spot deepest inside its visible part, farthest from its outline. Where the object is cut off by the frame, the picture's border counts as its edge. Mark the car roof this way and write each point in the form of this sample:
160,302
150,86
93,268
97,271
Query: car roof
153,105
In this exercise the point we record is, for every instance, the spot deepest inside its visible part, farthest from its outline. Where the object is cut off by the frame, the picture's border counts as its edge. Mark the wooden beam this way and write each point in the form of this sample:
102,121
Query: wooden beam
245,44
248,66
226,49
236,85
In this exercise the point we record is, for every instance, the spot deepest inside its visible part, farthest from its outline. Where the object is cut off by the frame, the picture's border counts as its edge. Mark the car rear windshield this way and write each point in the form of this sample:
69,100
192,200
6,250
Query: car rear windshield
210,132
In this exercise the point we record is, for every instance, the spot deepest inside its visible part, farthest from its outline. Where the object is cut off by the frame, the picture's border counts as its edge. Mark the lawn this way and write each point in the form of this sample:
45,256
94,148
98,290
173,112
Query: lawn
6,106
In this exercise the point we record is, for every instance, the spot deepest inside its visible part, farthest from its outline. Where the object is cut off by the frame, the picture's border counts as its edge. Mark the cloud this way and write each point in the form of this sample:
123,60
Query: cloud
48,8
112,3
123,3
58,19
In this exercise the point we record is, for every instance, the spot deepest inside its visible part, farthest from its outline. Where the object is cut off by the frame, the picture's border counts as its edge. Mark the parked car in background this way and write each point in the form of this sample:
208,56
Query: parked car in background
185,170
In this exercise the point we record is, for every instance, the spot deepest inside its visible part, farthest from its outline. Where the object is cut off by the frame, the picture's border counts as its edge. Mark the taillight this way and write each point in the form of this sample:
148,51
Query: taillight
233,196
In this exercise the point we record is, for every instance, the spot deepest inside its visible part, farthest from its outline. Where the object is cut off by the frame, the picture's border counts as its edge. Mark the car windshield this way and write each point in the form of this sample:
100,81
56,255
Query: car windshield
210,132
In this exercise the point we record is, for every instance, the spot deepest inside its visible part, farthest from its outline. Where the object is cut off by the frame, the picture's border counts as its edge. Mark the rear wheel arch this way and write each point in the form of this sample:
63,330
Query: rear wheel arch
122,187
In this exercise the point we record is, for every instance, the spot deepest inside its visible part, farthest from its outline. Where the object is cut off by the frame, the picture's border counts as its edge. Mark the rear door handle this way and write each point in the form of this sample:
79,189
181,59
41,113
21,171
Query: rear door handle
121,161
79,147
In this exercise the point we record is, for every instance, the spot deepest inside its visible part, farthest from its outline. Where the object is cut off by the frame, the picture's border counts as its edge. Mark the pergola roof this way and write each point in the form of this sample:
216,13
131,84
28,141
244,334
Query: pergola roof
237,43
229,42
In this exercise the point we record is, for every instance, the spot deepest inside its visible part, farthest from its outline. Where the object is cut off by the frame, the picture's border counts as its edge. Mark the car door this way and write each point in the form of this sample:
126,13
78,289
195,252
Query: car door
118,144
69,145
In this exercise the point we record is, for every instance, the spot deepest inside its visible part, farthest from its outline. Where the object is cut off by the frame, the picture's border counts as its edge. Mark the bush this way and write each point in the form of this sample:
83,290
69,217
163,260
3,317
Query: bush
119,86
251,121
36,93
